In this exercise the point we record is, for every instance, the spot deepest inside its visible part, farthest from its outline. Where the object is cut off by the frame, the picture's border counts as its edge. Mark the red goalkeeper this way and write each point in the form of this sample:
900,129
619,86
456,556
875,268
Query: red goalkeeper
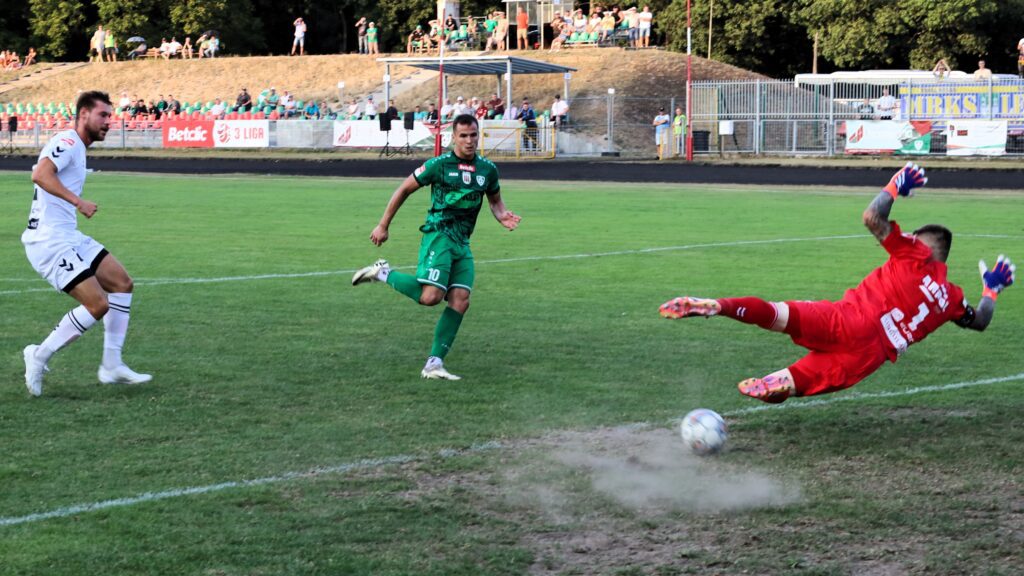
898,304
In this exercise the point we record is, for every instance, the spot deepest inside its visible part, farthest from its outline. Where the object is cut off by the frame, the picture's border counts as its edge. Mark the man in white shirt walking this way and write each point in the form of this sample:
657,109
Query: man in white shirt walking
71,261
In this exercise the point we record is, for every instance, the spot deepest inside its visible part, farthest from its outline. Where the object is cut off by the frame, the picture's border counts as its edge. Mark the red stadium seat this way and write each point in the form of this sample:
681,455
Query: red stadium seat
274,115
259,115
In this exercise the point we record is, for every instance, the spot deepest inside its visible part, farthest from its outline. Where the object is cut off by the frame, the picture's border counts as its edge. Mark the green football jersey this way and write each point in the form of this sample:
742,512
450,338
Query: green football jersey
457,189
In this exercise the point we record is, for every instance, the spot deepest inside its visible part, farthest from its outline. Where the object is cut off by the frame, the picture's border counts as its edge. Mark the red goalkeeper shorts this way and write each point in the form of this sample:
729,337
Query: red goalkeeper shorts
844,347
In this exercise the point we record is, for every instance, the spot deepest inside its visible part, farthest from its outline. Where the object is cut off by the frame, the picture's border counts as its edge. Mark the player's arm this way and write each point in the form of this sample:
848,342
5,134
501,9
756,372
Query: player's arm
404,190
44,175
993,281
503,215
876,216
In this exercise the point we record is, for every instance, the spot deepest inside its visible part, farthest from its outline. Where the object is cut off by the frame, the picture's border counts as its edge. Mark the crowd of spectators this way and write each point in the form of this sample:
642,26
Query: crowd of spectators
9,59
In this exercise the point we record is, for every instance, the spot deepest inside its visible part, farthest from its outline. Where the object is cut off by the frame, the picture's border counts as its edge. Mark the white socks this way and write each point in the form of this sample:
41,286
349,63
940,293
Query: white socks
115,327
383,273
71,326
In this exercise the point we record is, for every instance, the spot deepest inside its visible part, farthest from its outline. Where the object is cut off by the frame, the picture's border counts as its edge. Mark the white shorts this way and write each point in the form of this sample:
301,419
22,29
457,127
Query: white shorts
66,259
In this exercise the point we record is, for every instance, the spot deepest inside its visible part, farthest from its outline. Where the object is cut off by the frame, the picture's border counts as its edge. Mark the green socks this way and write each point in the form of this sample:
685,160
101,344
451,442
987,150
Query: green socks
444,333
405,284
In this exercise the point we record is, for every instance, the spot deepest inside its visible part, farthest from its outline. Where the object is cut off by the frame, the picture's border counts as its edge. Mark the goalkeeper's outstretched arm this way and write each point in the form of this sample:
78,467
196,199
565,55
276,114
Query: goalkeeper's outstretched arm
993,282
902,183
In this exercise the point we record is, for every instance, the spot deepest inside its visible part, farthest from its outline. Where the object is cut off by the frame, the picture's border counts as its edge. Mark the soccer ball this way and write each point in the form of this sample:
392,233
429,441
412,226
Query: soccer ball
704,431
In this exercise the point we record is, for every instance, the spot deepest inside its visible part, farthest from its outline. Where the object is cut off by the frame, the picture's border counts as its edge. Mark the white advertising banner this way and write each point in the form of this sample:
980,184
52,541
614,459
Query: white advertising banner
241,134
873,136
367,134
976,138
499,134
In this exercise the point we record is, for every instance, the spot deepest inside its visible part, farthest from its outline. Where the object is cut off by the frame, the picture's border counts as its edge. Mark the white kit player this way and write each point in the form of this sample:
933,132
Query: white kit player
71,261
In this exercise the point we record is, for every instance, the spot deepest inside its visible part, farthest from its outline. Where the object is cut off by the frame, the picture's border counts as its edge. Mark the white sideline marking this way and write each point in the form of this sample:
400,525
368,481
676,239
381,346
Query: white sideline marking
368,463
372,463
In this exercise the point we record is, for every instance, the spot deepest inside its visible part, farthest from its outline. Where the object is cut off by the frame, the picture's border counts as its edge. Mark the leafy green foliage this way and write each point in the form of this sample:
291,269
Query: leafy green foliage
54,23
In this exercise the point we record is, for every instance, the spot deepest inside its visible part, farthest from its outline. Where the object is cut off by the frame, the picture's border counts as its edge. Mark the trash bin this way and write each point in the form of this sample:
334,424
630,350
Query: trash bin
701,141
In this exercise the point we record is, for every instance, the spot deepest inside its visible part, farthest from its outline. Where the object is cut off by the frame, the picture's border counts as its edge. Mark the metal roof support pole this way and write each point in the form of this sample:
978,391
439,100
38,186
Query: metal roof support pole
498,90
508,83
387,84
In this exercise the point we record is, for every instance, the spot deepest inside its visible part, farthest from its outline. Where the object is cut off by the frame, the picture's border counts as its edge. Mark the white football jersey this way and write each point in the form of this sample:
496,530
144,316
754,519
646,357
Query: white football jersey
51,215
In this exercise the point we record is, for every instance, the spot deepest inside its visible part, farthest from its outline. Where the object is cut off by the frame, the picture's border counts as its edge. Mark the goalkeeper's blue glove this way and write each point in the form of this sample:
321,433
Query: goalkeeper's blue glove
1000,276
903,182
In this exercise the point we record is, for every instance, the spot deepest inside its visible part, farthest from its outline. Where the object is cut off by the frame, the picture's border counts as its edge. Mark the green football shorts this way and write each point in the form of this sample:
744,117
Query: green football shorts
445,263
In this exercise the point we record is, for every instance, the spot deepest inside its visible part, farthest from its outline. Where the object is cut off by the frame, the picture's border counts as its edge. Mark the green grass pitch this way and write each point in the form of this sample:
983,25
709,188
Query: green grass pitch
267,362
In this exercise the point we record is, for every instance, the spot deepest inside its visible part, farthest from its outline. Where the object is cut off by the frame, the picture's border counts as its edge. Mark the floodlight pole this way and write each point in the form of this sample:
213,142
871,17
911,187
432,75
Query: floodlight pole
440,87
689,89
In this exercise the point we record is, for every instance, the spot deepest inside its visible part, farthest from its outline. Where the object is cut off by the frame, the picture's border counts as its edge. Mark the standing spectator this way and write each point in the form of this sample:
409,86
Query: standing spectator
645,19
679,131
501,31
186,48
312,111
886,105
364,47
490,25
243,101
300,37
99,38
982,73
559,111
392,111
370,112
110,47
371,38
941,69
661,122
521,29
632,21
529,118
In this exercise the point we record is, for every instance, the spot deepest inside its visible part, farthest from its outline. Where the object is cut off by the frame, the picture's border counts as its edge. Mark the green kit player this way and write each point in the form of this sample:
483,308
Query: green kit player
458,181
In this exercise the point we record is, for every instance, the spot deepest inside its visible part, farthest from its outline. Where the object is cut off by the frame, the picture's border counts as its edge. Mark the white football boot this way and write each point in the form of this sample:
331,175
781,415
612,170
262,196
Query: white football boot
375,272
434,370
122,375
34,370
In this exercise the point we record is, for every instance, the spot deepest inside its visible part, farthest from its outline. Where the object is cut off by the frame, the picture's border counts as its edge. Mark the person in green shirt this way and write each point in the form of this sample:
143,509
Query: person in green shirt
110,47
459,180
371,39
679,131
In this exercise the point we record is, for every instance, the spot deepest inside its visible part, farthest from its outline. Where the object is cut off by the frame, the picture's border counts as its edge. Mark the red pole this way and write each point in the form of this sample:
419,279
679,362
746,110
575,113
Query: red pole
689,78
440,83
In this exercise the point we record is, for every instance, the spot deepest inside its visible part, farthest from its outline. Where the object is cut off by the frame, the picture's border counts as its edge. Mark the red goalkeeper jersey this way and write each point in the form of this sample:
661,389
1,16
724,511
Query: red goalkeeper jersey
908,297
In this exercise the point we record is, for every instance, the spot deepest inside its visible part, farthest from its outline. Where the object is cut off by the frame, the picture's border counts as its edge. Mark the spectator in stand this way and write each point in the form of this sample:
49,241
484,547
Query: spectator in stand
866,110
30,58
273,98
479,109
244,101
370,112
110,47
186,48
312,111
173,106
431,113
559,111
632,20
579,21
138,52
139,108
392,111
434,37
886,105
941,69
451,25
326,112
644,21
460,107
288,101
361,28
213,47
417,40
418,114
661,123
561,29
501,30
154,111
982,73
679,131
1020,58
371,38
173,47
522,29
300,37
446,110
490,25
594,25
161,104
607,26
164,47
203,43
353,110
495,107
529,118
125,102
96,44
511,113
218,109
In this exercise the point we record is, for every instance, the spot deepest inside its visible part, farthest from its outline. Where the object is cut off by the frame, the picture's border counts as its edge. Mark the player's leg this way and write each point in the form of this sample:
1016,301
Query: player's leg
115,280
750,310
819,373
773,388
460,285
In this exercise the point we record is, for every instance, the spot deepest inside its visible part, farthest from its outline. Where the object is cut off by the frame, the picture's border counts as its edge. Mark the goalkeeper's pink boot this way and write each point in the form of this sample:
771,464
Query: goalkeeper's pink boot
689,306
771,389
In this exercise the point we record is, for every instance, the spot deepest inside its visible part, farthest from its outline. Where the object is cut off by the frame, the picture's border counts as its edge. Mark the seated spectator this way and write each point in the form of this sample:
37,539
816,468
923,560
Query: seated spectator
139,108
563,34
446,110
244,101
273,98
288,101
607,26
202,44
186,48
460,107
326,113
154,111
866,110
431,113
887,105
982,73
559,111
479,108
218,109
213,47
164,47
312,111
418,114
125,102
941,69
161,104
370,112
138,52
496,107
173,105
353,110
392,111
417,40
172,48
30,58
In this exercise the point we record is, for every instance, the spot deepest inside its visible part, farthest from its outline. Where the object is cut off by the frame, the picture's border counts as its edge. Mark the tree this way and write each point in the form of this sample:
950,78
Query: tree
241,31
54,23
131,17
